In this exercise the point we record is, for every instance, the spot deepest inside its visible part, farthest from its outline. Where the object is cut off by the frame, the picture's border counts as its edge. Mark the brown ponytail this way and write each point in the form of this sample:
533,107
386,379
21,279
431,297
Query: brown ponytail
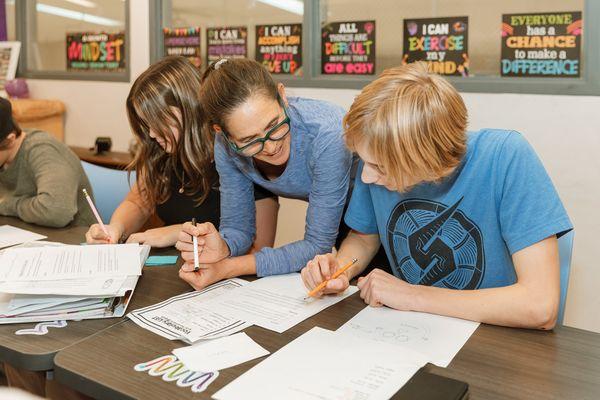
227,84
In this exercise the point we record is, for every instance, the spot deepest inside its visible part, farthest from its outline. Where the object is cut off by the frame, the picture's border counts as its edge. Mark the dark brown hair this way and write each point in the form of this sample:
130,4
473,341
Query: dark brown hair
171,82
227,84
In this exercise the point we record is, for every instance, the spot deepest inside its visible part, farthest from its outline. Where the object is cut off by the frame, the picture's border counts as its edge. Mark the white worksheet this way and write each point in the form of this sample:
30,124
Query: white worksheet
218,354
69,262
190,316
10,236
327,365
437,337
276,302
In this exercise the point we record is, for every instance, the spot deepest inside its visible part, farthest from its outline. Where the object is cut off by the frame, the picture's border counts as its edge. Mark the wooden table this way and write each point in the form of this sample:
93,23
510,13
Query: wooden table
108,159
498,363
36,353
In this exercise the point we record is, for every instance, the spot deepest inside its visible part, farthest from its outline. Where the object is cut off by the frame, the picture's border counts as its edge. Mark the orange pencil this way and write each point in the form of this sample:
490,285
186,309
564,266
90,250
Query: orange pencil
335,275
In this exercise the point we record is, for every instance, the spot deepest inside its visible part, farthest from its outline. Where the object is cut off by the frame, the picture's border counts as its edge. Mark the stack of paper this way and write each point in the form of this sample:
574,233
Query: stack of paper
49,281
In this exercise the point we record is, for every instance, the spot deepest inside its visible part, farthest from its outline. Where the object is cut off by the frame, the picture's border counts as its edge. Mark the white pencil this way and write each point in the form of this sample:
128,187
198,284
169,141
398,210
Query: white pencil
195,242
95,211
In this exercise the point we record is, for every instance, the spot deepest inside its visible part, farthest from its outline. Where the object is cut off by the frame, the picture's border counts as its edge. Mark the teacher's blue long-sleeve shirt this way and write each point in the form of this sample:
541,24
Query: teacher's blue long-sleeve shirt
318,171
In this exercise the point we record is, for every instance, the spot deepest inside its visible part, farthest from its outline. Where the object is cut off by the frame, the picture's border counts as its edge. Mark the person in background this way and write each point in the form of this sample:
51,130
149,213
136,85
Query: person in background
176,175
292,147
469,221
41,179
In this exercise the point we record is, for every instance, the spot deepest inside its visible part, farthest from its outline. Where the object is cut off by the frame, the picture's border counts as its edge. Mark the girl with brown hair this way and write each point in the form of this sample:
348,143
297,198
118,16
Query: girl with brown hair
176,175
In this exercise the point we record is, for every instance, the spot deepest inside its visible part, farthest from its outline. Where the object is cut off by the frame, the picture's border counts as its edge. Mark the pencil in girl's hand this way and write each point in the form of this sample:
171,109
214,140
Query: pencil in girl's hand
95,211
335,275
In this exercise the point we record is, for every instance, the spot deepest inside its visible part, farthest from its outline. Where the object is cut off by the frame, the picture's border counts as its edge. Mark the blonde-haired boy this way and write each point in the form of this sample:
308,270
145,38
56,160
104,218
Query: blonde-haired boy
469,221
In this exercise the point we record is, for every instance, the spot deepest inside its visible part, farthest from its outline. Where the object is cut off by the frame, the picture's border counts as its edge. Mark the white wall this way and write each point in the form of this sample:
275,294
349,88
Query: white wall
564,130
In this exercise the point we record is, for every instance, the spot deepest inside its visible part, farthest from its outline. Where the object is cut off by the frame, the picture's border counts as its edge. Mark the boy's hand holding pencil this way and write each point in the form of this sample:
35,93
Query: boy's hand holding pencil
325,275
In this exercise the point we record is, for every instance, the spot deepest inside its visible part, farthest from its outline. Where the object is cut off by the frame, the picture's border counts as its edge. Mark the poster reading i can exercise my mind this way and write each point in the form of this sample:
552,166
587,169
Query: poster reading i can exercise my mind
279,48
542,45
226,42
348,48
441,42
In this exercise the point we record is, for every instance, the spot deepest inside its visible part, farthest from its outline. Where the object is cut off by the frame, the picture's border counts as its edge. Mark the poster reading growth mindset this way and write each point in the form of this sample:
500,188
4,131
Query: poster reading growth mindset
541,45
89,51
441,42
348,48
226,42
279,48
183,42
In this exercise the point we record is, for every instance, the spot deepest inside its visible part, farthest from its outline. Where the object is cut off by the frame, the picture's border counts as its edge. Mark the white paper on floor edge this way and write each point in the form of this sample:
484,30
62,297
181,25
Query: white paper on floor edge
218,354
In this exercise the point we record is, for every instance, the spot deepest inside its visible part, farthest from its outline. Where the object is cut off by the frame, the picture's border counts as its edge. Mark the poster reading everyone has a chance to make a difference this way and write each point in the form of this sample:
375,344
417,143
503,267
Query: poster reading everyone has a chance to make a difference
541,44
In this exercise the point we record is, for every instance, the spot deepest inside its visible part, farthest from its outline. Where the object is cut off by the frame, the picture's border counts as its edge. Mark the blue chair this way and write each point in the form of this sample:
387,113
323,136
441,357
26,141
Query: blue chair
565,252
110,186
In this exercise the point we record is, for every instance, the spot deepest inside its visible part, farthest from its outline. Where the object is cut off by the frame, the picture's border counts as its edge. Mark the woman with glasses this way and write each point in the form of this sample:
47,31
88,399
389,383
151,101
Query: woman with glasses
292,147
176,175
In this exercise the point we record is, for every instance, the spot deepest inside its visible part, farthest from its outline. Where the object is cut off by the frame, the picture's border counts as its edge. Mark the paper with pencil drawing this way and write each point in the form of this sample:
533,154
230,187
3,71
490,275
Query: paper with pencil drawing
437,337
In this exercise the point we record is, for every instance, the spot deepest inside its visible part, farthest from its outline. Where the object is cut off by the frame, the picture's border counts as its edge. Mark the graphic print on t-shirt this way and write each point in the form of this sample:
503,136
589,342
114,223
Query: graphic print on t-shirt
435,245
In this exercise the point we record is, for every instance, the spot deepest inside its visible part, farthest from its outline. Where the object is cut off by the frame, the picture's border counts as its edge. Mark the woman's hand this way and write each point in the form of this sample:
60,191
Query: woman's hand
321,268
211,246
209,274
95,235
380,288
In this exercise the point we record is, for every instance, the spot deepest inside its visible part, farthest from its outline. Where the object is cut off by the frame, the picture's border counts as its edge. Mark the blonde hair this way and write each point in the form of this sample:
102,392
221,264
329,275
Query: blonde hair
413,123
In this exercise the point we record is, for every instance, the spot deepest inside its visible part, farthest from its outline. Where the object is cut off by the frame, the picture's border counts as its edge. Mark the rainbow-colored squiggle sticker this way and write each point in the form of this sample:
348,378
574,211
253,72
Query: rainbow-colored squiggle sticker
171,369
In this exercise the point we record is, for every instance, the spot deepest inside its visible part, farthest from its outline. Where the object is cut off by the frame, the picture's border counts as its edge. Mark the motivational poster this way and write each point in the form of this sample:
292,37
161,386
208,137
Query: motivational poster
441,42
279,48
542,45
348,48
226,42
96,51
183,42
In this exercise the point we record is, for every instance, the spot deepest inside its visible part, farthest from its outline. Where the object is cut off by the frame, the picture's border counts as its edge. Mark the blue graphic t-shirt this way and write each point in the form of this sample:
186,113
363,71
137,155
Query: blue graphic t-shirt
460,233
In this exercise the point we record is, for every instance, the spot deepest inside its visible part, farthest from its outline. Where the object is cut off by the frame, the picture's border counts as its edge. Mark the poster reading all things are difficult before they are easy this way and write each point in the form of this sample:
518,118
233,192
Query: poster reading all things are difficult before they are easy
348,48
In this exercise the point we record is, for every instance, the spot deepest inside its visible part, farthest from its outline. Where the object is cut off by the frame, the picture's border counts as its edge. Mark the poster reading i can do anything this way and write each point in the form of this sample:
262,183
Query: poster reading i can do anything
542,45
348,48
279,48
441,42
